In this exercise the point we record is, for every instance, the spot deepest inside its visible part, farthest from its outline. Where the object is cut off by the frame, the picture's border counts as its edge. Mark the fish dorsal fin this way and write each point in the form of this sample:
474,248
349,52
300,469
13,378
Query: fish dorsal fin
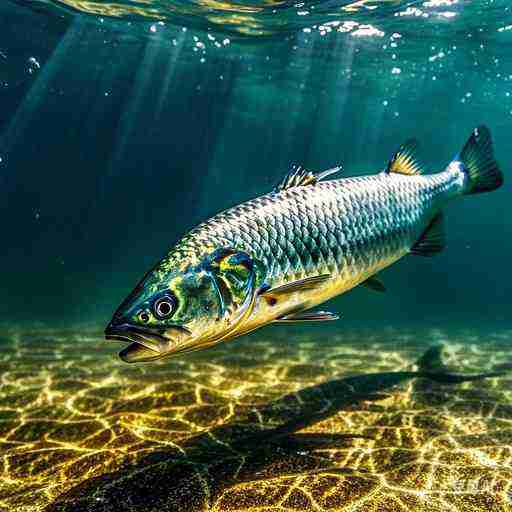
404,161
433,239
300,177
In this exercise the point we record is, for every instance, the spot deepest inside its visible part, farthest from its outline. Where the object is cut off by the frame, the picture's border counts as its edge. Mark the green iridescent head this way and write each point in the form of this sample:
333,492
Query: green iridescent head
176,311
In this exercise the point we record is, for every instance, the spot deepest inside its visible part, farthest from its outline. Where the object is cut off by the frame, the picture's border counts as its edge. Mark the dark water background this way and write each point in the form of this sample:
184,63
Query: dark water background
119,133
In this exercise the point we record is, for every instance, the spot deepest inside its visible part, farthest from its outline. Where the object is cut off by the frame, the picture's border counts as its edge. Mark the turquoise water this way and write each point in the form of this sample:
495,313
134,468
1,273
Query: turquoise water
124,124
117,139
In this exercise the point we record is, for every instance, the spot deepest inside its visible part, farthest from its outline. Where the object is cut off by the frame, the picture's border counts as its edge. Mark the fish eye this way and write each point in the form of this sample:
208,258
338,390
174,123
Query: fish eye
164,307
144,317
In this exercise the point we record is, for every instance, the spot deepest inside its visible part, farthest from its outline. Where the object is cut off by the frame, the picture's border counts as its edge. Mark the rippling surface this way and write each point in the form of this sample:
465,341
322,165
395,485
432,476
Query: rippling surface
255,425
363,18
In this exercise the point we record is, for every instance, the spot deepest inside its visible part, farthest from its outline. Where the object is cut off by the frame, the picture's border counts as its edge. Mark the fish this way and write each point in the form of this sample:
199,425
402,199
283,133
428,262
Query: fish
275,258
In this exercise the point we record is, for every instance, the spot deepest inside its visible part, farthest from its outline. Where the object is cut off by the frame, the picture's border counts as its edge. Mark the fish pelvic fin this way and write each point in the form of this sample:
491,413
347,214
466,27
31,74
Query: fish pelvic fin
300,177
433,239
308,316
477,162
404,161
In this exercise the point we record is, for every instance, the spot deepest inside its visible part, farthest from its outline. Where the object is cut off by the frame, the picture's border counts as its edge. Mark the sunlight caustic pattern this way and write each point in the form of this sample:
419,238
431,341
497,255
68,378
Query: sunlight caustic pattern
254,425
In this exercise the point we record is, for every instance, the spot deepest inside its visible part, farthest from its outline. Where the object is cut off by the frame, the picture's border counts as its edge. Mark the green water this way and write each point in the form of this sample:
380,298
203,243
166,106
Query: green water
122,126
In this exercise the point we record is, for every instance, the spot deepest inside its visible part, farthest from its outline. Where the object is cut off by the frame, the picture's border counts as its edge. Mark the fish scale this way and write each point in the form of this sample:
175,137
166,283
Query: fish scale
343,227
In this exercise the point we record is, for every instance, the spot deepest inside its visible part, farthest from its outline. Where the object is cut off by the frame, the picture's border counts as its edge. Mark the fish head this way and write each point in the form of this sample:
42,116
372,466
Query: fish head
173,311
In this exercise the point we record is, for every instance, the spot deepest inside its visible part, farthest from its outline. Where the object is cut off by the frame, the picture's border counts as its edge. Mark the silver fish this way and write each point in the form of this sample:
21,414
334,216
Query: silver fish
275,257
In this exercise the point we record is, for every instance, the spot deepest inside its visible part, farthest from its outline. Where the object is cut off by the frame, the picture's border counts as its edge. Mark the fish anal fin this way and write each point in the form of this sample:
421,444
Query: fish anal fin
404,161
300,177
374,283
272,295
433,239
308,316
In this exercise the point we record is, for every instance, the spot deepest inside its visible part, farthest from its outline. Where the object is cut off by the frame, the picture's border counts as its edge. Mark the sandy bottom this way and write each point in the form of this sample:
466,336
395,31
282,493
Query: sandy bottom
320,423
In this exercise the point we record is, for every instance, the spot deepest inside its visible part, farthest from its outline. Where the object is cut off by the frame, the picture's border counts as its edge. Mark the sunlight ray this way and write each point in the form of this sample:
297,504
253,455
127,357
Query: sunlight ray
41,87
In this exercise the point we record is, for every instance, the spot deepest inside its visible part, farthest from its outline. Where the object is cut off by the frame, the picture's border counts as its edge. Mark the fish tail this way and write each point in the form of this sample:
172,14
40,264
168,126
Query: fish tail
477,162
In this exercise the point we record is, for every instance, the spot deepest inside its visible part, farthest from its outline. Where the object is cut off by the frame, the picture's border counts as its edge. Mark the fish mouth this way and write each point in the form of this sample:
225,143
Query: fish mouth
145,336
145,343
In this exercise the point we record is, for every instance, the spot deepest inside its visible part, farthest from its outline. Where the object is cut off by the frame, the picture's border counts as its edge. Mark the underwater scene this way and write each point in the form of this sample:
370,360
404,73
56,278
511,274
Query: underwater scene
256,255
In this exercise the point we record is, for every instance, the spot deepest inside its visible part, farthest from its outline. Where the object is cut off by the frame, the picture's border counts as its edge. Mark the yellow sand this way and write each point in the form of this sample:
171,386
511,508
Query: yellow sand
80,430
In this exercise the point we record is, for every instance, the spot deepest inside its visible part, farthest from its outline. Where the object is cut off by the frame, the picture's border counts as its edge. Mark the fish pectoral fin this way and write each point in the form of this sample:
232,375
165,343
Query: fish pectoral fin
374,283
308,316
404,161
310,283
433,239
300,177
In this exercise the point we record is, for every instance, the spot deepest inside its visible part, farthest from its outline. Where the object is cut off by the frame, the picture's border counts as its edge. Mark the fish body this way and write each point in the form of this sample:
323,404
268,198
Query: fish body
349,229
275,257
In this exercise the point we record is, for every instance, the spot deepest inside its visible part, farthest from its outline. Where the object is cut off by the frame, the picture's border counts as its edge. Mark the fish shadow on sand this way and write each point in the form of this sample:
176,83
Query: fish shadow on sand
249,450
